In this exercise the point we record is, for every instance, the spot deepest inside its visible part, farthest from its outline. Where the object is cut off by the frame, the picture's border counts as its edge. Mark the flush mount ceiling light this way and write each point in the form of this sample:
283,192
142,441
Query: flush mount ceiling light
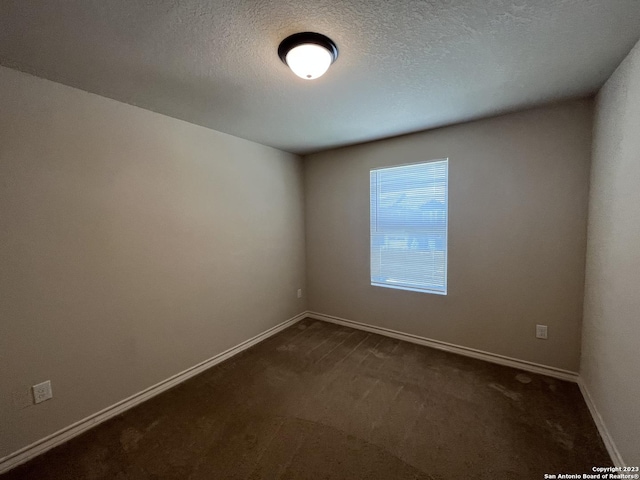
308,54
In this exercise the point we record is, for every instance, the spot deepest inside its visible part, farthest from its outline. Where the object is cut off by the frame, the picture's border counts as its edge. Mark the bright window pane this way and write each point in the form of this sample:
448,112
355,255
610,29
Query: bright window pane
409,213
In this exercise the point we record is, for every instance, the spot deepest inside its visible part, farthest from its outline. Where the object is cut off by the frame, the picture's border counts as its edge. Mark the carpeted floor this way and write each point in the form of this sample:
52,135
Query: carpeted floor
320,401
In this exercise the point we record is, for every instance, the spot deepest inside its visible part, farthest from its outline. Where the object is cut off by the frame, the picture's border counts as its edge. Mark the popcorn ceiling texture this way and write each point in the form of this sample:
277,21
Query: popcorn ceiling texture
404,65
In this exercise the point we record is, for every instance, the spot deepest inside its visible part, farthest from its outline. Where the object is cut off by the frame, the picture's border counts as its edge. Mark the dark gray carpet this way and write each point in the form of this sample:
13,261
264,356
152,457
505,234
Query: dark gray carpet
320,401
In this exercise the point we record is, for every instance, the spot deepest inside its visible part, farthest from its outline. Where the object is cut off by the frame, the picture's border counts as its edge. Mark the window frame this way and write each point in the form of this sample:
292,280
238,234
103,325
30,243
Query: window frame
433,291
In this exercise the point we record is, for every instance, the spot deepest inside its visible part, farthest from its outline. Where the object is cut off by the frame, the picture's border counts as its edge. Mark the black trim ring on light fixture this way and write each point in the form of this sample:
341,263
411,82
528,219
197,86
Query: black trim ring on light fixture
302,38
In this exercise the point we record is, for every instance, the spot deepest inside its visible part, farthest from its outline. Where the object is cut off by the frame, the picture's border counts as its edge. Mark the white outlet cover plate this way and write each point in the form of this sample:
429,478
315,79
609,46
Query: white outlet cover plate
42,391
541,331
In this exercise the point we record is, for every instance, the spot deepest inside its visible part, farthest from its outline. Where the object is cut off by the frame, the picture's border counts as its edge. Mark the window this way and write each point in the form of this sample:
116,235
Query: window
409,212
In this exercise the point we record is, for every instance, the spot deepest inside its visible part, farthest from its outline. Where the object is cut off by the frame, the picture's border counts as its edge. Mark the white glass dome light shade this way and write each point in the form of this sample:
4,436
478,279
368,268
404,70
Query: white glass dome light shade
309,61
308,54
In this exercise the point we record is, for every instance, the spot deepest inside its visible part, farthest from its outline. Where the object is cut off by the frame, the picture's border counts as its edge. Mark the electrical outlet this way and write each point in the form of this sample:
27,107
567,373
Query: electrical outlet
299,293
42,392
541,331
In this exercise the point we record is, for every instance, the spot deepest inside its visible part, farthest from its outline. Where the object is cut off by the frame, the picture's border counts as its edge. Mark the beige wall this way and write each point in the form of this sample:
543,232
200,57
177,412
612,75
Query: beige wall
132,247
610,365
518,187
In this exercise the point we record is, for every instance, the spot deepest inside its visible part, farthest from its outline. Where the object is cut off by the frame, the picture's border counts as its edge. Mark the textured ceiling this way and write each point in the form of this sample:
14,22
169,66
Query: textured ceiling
403,66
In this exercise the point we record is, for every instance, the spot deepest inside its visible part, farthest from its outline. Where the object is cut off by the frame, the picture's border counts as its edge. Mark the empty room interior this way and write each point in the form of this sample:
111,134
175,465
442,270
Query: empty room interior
320,240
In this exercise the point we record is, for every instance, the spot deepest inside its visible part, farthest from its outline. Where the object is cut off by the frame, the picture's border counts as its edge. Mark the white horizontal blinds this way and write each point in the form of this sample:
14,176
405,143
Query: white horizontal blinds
409,213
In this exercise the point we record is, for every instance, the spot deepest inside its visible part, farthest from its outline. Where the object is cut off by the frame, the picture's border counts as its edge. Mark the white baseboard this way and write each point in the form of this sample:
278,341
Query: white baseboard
450,347
65,434
602,428
47,443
